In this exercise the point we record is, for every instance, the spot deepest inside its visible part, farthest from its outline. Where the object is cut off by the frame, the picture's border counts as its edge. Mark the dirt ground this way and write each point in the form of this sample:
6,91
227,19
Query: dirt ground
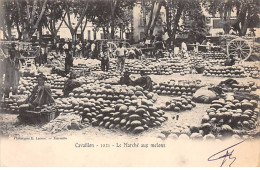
10,126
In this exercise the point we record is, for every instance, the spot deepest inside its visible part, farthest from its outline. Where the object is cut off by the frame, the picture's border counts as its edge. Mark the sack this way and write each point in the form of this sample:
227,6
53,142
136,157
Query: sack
204,95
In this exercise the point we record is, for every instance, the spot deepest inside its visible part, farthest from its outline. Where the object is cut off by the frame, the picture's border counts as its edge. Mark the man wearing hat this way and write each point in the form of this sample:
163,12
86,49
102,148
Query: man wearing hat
41,94
105,55
126,80
71,84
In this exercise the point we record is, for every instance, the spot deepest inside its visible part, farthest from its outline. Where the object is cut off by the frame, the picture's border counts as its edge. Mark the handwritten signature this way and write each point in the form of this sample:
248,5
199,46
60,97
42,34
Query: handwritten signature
225,154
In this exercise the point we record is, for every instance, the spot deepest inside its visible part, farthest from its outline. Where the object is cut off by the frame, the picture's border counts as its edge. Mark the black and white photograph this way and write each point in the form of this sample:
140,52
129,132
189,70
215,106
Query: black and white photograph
130,83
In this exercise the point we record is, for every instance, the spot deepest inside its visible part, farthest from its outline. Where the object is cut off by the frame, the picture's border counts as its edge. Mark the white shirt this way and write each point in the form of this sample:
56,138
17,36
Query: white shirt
183,46
176,50
120,52
93,46
66,46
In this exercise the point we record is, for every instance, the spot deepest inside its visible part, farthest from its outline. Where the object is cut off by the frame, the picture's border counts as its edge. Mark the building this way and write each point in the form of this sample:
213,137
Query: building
138,22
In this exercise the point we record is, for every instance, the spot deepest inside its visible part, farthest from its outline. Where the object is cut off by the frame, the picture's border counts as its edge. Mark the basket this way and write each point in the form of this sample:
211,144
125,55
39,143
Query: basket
29,116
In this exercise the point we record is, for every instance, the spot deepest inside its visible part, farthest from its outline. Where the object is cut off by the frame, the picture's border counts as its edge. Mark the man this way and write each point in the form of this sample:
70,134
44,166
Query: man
94,50
78,50
144,81
230,61
120,53
70,84
184,47
158,46
105,56
126,80
68,61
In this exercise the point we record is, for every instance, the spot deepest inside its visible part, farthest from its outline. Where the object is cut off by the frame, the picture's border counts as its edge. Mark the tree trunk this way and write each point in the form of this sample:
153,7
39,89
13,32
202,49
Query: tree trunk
113,24
73,37
144,14
245,24
4,33
157,10
150,20
7,20
40,31
104,32
176,22
241,17
168,23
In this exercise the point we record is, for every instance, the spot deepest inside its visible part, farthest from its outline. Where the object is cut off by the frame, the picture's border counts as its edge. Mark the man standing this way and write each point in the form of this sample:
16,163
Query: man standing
120,53
68,61
105,58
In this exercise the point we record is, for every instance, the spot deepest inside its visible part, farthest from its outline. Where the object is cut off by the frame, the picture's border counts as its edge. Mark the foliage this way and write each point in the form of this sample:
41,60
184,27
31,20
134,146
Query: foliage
247,13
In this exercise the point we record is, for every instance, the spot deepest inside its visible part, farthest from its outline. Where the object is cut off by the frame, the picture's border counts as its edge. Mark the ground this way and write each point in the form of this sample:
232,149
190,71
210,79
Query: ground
10,127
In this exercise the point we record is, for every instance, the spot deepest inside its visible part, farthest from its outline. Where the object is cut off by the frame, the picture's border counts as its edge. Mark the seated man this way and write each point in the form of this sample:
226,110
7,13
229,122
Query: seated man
126,80
41,94
71,84
230,61
144,81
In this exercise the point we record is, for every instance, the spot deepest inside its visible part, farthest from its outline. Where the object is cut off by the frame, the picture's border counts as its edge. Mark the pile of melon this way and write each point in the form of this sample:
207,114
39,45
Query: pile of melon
11,104
231,116
225,71
27,84
215,56
130,117
114,106
241,87
112,92
176,88
180,104
252,71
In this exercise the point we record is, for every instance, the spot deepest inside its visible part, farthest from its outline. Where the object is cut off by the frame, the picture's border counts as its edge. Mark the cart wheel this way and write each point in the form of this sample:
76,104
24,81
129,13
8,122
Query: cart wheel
240,48
112,46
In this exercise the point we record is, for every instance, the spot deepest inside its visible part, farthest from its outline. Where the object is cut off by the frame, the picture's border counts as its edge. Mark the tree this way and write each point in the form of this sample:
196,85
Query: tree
78,8
174,10
30,14
247,13
8,16
152,8
54,18
110,15
194,22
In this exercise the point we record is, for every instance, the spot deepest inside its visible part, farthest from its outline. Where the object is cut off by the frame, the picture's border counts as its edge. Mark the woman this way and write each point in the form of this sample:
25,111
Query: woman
13,66
41,94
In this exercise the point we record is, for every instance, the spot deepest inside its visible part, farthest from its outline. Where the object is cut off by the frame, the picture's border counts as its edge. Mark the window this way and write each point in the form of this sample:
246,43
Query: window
102,36
141,20
142,35
89,35
95,35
